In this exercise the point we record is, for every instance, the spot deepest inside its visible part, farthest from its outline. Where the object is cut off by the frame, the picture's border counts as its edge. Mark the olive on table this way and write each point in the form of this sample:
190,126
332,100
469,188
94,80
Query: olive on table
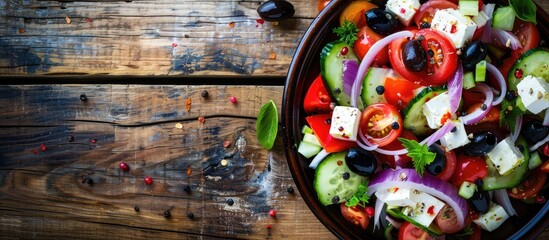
473,54
414,56
381,21
361,161
439,164
534,131
481,143
275,10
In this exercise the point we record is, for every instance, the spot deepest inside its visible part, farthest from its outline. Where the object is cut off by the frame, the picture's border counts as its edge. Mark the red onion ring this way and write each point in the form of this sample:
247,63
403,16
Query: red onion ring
455,88
318,158
369,58
539,144
506,38
501,81
546,118
502,198
478,114
518,126
350,67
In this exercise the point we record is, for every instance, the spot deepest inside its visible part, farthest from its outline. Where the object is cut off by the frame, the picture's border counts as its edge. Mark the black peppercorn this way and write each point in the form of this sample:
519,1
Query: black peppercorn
190,215
230,201
187,189
83,97
290,190
167,214
204,94
136,208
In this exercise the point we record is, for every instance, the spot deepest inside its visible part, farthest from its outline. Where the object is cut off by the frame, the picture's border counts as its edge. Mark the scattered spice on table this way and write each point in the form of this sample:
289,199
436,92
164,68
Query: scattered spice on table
42,147
190,215
224,162
93,140
70,139
68,19
124,166
167,214
272,56
259,21
189,171
201,119
290,190
187,189
179,125
89,20
188,104
22,30
35,151
83,97
233,99
272,213
230,202
226,144
269,226
136,208
231,24
174,45
204,94
148,180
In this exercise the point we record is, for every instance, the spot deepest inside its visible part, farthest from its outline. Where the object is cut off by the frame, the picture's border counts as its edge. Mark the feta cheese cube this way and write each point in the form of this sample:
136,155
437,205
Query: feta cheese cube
396,197
458,28
456,138
403,9
425,209
437,110
534,93
505,156
345,121
492,219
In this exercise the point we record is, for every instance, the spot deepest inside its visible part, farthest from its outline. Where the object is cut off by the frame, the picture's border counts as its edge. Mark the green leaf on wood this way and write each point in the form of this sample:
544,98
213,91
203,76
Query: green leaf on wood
267,125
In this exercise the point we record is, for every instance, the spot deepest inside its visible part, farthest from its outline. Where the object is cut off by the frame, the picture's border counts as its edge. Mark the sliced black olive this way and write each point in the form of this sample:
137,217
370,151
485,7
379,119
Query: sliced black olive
414,56
482,143
473,54
381,21
275,10
534,131
439,164
361,161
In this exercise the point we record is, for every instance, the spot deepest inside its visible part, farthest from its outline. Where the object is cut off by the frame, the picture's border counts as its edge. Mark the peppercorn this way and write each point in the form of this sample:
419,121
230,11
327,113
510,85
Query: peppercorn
190,215
290,190
204,94
230,201
187,189
167,214
83,97
136,208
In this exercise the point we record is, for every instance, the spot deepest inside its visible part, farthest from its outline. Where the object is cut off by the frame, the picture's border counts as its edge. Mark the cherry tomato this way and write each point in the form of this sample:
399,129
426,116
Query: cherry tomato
397,145
356,215
320,124
544,167
409,231
450,168
529,37
317,99
468,169
366,38
399,91
444,59
354,12
446,220
491,116
477,232
381,123
427,10
322,4
530,187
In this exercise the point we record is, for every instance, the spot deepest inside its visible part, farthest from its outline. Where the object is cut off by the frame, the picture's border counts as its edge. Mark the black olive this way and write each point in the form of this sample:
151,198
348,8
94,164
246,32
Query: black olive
414,56
425,25
439,164
482,143
510,95
381,21
534,131
480,201
275,10
472,54
361,161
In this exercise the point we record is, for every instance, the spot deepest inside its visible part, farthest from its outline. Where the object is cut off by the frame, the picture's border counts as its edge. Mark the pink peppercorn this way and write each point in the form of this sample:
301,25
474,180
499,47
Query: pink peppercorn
148,180
233,99
370,211
124,166
272,213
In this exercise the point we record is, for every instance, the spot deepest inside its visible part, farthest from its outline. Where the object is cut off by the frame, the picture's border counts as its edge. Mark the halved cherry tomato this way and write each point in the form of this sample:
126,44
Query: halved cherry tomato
529,37
354,12
322,4
450,168
397,145
530,187
356,215
409,231
320,124
444,58
381,123
491,116
468,169
427,10
317,99
399,91
366,38
446,220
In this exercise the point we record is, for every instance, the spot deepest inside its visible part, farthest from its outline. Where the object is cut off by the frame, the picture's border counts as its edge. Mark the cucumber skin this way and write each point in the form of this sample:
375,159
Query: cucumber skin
529,56
413,114
331,70
494,181
374,78
326,171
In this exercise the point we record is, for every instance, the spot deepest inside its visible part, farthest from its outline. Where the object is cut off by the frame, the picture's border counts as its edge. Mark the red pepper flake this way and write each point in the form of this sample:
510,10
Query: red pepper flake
269,226
124,166
201,119
231,24
148,180
445,118
35,151
474,215
233,99
402,10
174,45
272,213
188,104
42,147
339,162
272,56
189,171
431,210
370,211
89,20
259,21
22,30
226,144
499,219
453,29
519,73
344,51
94,141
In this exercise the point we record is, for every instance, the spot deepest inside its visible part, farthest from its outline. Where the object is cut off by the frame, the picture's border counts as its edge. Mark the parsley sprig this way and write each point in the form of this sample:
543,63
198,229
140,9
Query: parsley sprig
509,113
420,154
360,197
347,32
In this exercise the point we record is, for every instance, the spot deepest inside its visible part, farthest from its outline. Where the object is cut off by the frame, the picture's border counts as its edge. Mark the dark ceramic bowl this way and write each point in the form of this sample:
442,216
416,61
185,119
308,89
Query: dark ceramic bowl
304,68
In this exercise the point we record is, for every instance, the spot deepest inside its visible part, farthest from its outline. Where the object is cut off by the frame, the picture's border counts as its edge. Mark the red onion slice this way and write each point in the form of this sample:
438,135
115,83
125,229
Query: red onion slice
518,126
369,58
377,211
446,128
502,198
455,88
410,179
394,222
478,114
318,158
350,67
539,144
546,118
506,38
501,81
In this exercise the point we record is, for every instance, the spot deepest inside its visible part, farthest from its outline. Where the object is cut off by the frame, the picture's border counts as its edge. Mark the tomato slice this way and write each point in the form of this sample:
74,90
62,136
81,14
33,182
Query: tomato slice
544,167
491,116
446,220
399,92
366,38
530,187
529,37
450,168
317,99
409,231
320,124
440,67
355,12
381,123
468,169
427,10
397,145
322,4
356,215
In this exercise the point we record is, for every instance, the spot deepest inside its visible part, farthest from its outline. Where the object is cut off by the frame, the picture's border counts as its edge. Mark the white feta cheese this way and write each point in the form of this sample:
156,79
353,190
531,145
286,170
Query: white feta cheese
437,110
534,93
403,9
492,219
456,138
458,28
425,209
345,121
505,156
395,196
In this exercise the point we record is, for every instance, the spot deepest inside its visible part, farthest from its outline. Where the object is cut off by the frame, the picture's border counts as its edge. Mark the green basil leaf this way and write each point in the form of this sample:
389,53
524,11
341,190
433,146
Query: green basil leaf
267,125
525,10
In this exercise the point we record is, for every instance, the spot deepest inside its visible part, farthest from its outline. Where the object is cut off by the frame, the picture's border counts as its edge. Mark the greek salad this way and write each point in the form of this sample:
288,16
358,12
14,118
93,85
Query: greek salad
428,117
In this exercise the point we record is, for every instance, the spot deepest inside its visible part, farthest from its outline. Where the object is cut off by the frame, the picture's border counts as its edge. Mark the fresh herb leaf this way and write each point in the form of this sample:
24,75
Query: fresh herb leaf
509,113
420,154
267,125
347,32
525,9
360,197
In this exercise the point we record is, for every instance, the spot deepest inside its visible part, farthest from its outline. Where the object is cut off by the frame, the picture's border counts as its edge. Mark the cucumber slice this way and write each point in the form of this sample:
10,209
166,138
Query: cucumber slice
469,80
467,189
535,161
504,18
534,62
329,184
306,129
307,149
480,71
414,120
311,138
375,78
468,7
493,180
331,69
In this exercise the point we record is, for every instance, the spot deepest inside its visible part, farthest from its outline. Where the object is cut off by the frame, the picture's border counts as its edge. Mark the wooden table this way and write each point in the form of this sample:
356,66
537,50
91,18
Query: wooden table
62,138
